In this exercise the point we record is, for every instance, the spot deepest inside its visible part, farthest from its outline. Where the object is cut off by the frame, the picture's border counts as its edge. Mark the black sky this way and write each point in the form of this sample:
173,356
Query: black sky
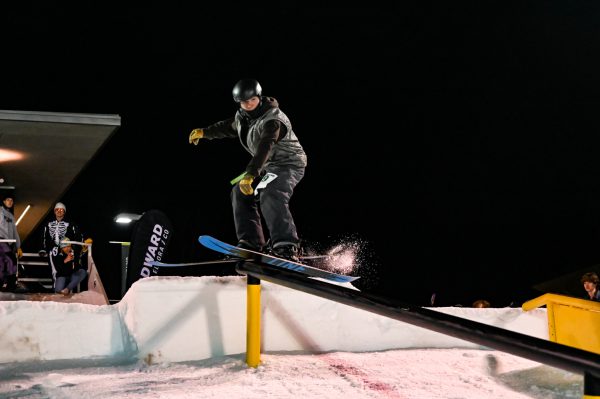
458,142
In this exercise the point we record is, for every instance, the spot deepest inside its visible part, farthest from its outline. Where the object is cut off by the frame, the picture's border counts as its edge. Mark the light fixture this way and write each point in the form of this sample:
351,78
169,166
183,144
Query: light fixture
10,155
126,218
23,214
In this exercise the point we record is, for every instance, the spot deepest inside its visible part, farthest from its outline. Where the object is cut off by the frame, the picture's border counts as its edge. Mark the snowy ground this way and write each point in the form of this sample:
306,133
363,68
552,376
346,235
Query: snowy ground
409,373
184,337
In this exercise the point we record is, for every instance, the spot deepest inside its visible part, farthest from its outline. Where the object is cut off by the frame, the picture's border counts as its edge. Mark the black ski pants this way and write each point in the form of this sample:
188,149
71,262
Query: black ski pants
273,202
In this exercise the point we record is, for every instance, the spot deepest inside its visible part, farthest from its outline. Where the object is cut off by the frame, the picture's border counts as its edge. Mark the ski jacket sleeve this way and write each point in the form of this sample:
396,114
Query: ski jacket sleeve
220,130
47,240
272,131
75,235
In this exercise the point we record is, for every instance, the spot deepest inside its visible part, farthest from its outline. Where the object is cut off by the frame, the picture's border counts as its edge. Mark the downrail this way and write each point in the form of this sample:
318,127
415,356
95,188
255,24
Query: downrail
550,353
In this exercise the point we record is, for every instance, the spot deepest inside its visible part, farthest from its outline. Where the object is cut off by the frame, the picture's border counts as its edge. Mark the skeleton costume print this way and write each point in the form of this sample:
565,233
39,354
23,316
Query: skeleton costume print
55,230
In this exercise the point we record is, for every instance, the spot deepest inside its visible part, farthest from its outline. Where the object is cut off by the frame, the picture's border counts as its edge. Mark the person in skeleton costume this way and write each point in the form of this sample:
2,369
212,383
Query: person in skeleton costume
57,229
266,133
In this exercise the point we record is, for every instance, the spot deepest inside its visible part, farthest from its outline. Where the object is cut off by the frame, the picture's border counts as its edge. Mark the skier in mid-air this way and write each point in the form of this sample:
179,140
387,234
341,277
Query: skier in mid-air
266,133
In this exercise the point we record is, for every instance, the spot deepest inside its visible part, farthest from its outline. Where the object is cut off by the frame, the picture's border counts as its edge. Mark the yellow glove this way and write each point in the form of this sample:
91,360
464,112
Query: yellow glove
19,253
196,135
246,185
87,241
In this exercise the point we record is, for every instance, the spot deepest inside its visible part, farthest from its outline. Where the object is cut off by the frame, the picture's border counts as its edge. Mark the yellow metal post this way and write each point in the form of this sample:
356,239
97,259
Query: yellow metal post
253,322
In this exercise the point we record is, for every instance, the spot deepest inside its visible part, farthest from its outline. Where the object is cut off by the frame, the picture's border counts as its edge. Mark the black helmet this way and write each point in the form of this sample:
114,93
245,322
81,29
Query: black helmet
245,89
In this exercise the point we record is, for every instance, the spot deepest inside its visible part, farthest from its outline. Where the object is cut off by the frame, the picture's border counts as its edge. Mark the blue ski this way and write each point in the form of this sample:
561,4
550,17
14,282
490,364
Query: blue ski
215,262
228,249
204,263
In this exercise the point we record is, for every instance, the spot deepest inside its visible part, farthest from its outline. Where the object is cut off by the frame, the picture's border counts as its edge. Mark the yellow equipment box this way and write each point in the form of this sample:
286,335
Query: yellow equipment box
571,321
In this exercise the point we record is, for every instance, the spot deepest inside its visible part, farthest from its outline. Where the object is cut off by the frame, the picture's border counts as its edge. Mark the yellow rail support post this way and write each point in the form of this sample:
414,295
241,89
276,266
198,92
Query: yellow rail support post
253,322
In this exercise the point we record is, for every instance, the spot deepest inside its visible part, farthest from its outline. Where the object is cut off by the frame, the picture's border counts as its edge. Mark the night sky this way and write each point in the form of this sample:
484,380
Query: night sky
458,143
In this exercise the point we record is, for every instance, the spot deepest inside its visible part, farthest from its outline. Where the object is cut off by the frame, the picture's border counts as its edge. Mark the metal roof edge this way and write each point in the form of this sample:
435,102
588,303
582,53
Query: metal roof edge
61,117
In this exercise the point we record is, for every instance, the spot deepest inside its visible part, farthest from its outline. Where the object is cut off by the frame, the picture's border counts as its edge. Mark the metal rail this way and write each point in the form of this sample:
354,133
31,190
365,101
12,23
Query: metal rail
536,349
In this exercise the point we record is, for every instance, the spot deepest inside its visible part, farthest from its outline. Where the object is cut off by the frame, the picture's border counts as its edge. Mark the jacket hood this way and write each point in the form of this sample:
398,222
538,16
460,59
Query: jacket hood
266,103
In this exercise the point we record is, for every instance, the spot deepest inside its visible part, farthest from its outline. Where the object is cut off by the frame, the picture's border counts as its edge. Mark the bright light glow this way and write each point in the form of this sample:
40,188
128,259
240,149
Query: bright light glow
8,155
23,214
126,218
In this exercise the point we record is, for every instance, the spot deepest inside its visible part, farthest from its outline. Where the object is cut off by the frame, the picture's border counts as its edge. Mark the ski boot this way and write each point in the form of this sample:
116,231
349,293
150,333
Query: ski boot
288,251
244,245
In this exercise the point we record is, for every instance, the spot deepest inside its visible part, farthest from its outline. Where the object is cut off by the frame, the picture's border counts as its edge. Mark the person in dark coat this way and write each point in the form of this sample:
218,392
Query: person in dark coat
66,269
57,229
276,167
10,249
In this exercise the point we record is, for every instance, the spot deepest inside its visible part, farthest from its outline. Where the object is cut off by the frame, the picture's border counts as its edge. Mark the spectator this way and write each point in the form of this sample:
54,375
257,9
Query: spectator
481,303
56,229
66,270
590,285
9,251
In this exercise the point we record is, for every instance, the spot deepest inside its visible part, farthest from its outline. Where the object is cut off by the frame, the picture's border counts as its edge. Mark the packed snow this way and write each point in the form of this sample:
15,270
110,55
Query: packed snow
184,337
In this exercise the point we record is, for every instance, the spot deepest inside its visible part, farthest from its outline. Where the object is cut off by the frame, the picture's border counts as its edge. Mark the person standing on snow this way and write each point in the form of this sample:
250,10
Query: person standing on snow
57,228
266,133
9,251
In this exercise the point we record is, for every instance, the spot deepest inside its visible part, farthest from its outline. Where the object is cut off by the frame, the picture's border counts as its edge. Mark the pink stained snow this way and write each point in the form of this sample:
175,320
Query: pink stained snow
414,374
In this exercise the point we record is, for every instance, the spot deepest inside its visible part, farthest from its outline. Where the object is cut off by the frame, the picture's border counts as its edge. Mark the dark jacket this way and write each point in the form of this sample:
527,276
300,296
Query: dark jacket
59,267
266,133
596,296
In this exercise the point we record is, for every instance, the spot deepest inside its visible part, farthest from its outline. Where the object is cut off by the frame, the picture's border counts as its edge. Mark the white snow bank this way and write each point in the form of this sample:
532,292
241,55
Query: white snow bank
53,330
193,318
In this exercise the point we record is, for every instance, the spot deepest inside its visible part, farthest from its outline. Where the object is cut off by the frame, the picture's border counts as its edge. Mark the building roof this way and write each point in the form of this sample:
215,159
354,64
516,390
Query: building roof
42,153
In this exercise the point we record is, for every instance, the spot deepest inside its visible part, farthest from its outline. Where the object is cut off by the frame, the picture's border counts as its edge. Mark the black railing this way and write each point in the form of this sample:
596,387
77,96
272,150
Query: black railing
542,351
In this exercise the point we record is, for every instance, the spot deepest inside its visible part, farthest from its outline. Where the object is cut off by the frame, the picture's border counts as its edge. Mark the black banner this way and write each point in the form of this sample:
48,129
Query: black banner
149,242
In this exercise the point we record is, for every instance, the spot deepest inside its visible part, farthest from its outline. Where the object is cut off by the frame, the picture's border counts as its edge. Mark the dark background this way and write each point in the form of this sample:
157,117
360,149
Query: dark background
457,143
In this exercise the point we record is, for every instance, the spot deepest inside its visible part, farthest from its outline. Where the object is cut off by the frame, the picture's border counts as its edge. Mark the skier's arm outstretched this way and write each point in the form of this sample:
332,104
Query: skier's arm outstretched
219,130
